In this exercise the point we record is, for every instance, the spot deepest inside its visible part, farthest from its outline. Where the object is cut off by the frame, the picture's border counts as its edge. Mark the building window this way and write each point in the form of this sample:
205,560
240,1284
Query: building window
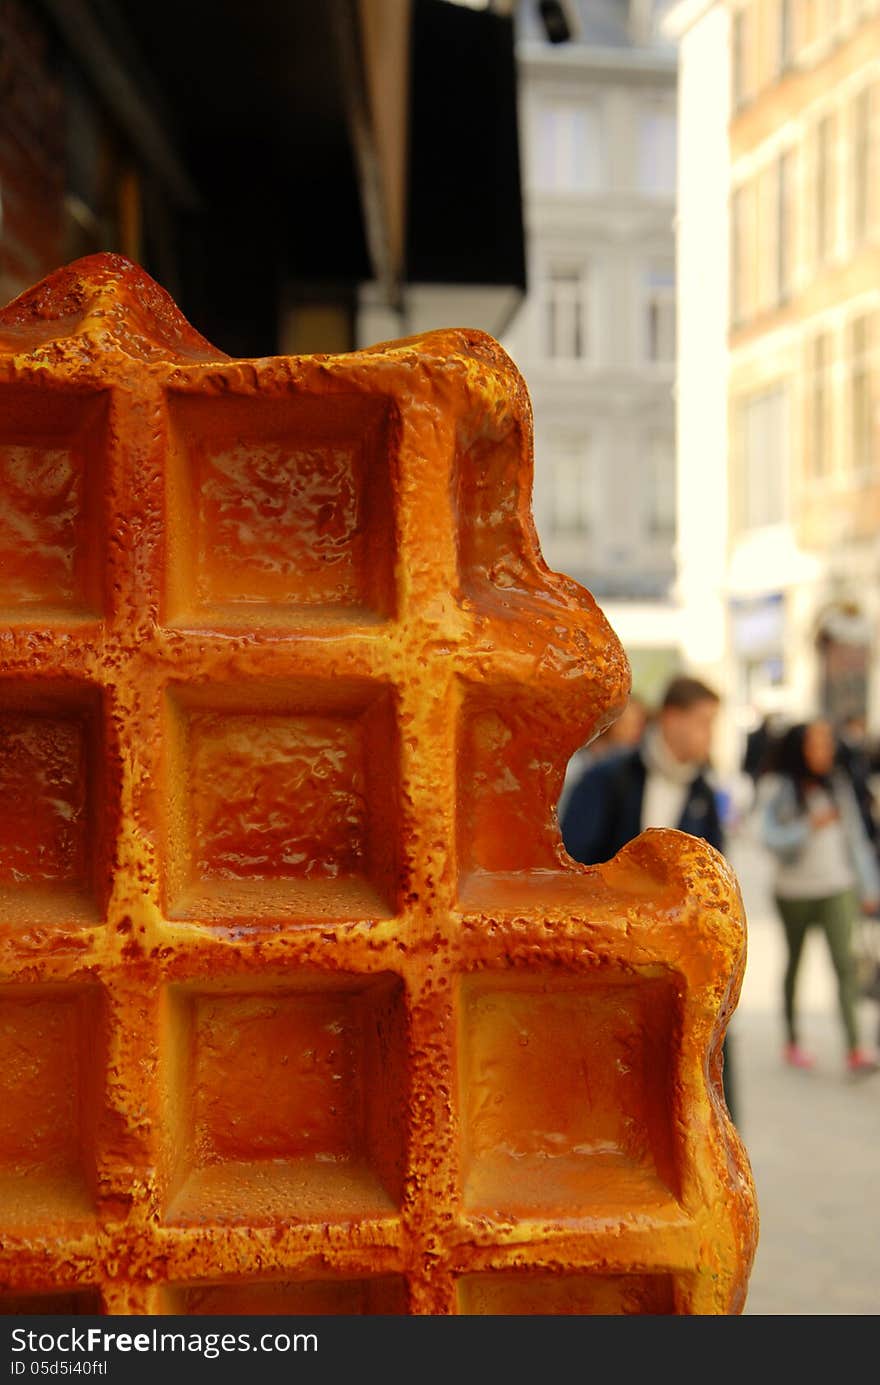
659,322
765,239
572,507
785,36
762,443
861,395
739,254
657,151
659,488
861,164
566,312
825,203
819,440
567,147
785,214
739,90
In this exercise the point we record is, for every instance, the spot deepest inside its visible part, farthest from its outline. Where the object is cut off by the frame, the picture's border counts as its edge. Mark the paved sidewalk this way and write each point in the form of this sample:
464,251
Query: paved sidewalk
813,1137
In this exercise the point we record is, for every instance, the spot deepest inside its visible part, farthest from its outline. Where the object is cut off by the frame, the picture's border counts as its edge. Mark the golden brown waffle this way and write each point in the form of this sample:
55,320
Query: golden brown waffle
304,1008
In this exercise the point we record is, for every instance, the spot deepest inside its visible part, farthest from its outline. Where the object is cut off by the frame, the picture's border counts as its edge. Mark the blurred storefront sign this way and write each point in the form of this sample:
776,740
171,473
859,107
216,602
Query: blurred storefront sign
757,641
757,625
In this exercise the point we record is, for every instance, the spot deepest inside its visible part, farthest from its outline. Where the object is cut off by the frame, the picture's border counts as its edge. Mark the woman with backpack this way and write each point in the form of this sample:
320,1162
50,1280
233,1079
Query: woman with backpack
826,869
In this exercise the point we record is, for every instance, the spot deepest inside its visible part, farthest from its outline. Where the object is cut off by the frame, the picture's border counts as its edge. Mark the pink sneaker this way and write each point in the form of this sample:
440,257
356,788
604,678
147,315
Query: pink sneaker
796,1057
859,1063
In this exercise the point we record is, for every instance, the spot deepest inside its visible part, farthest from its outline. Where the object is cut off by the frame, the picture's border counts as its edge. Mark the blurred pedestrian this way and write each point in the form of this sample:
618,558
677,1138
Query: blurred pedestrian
625,731
663,781
658,782
759,744
854,756
825,866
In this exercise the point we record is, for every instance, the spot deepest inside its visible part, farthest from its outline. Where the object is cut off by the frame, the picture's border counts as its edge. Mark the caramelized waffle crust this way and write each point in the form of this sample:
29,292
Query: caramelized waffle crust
303,1006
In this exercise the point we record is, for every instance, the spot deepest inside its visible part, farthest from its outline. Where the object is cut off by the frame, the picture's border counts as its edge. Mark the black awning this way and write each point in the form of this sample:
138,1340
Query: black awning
465,222
261,113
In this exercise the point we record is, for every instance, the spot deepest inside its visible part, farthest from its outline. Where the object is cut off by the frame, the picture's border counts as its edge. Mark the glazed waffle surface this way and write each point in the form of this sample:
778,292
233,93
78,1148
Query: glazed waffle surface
303,1006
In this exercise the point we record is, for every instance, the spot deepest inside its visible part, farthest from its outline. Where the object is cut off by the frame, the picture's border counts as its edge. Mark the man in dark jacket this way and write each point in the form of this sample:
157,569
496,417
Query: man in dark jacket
660,783
854,756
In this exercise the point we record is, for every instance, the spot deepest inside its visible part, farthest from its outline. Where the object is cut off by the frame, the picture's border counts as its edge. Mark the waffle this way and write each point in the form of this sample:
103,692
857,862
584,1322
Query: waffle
303,1006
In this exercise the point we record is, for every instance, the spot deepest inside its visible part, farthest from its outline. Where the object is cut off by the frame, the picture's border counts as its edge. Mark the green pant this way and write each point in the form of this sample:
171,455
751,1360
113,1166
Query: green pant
835,915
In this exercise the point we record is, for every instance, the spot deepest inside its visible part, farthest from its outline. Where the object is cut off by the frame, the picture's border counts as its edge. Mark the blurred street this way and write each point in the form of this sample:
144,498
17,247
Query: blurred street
813,1137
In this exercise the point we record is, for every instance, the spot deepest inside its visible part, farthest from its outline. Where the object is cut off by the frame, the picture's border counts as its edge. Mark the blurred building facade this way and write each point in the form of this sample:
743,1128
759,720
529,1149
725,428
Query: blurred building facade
595,336
778,253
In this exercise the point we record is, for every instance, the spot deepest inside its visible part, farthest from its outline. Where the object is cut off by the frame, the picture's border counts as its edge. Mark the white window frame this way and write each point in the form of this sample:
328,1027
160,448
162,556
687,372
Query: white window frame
820,421
862,163
739,43
786,171
825,186
572,495
785,36
657,189
763,414
660,480
742,253
862,459
566,312
658,299
560,175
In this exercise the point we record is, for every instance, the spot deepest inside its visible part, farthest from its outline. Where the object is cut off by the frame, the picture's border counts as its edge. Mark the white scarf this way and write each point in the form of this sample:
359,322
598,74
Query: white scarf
666,784
660,759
